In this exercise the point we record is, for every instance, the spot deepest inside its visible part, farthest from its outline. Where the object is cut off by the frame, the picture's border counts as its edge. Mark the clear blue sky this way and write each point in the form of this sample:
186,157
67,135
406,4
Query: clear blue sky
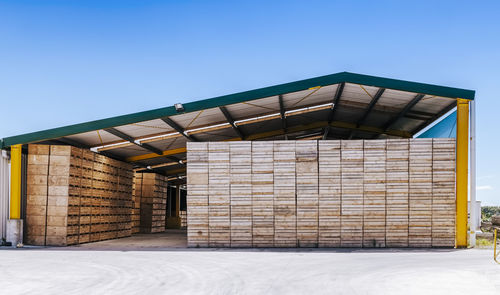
64,62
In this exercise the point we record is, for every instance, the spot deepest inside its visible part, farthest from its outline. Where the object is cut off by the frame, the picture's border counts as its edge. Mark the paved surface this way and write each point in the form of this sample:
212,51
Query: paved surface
172,239
194,271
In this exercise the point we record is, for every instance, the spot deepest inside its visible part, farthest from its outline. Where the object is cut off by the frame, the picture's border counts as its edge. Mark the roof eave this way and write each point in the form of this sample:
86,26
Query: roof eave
240,97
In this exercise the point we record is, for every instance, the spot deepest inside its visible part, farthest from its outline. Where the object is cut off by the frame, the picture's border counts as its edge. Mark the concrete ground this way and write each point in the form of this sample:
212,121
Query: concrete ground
148,264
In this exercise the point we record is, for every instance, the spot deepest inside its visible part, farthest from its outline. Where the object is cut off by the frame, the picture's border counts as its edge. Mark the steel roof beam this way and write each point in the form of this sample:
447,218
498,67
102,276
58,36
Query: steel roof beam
178,128
230,120
278,132
403,112
104,153
336,100
130,139
282,114
368,110
437,116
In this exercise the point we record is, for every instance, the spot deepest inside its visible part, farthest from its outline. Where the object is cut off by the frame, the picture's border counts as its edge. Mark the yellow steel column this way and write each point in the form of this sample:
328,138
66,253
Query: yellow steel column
15,181
461,171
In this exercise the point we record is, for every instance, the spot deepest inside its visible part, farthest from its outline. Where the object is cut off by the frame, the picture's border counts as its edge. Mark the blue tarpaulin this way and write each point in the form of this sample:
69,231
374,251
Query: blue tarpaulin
446,128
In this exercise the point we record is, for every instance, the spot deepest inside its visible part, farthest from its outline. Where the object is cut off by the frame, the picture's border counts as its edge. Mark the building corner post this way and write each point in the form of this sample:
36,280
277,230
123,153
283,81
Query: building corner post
15,223
472,166
462,165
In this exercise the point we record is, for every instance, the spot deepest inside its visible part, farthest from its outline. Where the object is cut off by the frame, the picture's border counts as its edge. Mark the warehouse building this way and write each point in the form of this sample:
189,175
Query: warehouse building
333,161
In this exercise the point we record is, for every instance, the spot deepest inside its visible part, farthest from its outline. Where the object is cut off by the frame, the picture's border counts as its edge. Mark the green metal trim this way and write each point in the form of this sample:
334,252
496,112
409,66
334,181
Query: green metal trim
241,97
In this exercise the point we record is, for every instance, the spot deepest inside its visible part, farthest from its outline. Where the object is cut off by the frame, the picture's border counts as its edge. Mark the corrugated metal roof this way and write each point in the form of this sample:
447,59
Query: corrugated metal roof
308,112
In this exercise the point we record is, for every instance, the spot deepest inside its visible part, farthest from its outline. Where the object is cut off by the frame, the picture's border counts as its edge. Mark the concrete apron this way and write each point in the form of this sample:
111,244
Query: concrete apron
15,231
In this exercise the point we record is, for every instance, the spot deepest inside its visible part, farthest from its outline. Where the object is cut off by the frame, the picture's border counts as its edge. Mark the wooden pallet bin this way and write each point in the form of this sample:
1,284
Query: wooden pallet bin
351,234
306,178
339,193
37,193
197,194
136,204
420,193
329,188
443,192
87,196
151,190
262,194
219,218
285,221
397,203
241,193
374,197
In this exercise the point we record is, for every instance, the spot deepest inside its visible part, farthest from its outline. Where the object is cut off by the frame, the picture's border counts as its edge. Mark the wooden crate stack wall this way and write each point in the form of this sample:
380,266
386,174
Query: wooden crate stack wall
443,192
136,204
285,201
151,195
339,193
197,194
262,191
329,193
396,200
241,193
219,188
306,175
374,198
351,219
75,196
420,193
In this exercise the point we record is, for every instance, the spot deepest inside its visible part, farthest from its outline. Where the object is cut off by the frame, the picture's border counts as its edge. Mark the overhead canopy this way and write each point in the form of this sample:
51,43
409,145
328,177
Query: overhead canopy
337,106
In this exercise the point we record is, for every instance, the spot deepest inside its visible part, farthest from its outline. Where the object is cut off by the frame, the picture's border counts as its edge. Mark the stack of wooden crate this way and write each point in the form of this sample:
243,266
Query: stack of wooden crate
262,194
420,193
219,195
87,196
397,212
136,204
329,193
348,193
37,194
443,192
241,193
285,218
183,215
151,189
306,169
351,234
197,194
374,197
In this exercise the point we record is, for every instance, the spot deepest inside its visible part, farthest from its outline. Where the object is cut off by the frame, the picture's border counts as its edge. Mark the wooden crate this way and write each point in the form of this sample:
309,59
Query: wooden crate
151,192
397,189
374,189
219,224
83,193
241,193
37,193
343,193
420,193
262,194
443,192
285,218
197,194
306,178
351,234
329,187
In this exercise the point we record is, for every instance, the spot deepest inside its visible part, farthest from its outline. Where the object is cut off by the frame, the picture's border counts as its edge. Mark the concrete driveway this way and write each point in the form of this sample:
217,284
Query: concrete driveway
217,271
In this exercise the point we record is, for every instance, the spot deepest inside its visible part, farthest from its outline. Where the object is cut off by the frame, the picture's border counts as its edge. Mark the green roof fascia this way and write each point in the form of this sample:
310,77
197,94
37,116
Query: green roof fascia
240,97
